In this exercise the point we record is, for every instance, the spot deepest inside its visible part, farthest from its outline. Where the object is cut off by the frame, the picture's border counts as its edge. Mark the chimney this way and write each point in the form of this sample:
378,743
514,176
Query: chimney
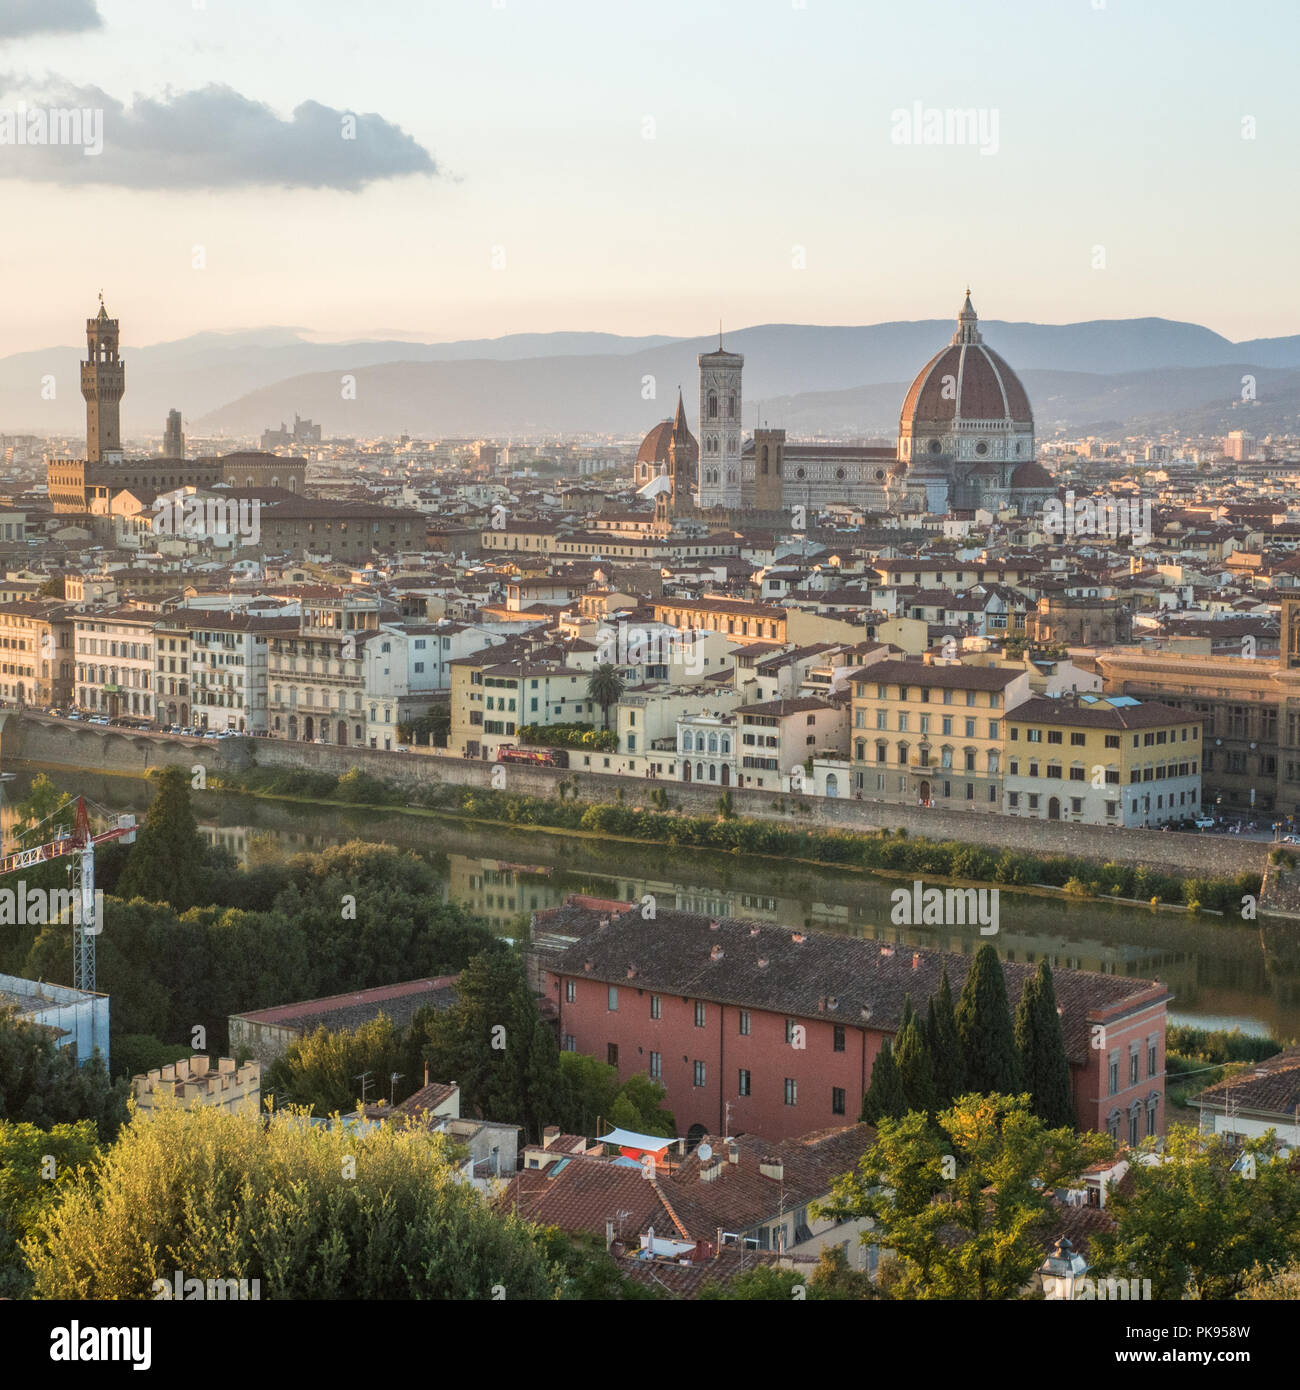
754,930
916,960
426,1073
587,966
733,1156
609,1235
885,951
762,962
797,937
714,924
771,1167
549,1135
631,972
716,953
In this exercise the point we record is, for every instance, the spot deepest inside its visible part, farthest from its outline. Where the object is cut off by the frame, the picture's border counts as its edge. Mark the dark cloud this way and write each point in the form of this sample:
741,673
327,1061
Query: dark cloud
18,18
210,138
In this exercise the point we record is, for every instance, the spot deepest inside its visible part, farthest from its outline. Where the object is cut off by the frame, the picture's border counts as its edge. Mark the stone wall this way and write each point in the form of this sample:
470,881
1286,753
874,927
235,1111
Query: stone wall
39,741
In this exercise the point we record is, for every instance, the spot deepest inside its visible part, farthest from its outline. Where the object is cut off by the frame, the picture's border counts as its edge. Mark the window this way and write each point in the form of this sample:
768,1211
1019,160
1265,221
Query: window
1053,735
838,1044
656,1066
790,1026
1152,1052
837,1100
699,1074
1133,1065
699,1013
570,991
611,1054
744,1023
742,1082
656,1006
1112,740
791,1091
613,998
570,1042
1078,740
1113,1078
1034,735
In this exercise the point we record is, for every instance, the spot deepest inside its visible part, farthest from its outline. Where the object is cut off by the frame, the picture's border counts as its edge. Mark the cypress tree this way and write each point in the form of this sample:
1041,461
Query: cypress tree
1042,1051
988,1040
884,1098
167,863
945,1045
915,1069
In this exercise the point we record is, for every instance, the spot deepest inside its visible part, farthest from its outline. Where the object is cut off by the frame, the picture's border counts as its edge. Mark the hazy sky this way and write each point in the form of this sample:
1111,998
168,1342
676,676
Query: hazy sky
524,123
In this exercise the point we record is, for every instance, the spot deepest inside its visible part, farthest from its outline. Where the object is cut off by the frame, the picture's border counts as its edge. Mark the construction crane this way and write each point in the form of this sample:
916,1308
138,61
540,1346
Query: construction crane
78,844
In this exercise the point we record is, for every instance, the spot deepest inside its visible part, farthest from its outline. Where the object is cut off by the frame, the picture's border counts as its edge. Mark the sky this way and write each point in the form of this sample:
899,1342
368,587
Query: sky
541,165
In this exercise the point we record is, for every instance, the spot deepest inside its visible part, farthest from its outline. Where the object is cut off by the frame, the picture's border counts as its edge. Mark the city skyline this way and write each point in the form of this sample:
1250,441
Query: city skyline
533,169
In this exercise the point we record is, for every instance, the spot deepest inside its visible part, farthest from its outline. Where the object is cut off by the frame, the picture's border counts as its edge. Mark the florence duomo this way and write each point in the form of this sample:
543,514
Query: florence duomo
965,441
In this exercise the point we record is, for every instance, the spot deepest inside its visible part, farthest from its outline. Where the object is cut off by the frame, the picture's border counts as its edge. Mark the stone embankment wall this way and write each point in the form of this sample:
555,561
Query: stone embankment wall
38,741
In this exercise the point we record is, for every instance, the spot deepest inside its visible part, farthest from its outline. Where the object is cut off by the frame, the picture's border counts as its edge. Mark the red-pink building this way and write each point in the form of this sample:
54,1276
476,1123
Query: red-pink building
764,1029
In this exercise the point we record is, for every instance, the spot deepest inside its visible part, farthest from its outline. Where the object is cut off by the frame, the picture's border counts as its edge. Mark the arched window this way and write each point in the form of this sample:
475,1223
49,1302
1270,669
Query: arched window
903,751
731,405
726,743
992,760
764,458
688,743
882,752
945,757
713,772
699,772
713,405
713,743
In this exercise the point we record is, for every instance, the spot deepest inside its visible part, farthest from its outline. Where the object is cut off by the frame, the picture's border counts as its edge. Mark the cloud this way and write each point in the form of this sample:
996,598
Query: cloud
19,18
209,138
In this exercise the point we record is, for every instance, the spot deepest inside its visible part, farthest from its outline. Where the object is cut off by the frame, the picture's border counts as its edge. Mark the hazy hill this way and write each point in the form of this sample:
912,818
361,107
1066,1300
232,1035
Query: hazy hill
806,377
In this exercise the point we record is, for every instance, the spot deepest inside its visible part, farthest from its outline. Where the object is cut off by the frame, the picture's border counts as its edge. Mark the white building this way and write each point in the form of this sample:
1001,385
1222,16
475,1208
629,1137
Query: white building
228,667
720,427
115,662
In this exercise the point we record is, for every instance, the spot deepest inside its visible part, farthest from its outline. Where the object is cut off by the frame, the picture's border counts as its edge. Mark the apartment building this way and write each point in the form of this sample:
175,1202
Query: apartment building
777,736
36,652
734,1019
172,674
739,619
115,658
316,678
492,698
933,734
1102,761
402,672
228,664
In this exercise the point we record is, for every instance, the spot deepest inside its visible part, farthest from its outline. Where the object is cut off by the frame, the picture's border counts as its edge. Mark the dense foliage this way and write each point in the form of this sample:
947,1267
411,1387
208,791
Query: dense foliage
310,1212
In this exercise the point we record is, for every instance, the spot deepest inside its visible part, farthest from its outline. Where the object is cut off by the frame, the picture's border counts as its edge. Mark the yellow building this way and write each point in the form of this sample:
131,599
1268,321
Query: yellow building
933,733
738,618
36,655
1101,761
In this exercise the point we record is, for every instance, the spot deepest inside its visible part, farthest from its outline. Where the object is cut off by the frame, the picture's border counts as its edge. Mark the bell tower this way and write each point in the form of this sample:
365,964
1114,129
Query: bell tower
720,407
103,380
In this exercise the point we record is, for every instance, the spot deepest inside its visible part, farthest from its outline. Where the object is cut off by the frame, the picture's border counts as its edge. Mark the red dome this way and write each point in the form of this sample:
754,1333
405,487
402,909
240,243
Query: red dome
986,389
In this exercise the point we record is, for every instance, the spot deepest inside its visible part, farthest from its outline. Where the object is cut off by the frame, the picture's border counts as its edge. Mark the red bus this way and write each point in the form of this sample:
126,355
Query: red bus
539,757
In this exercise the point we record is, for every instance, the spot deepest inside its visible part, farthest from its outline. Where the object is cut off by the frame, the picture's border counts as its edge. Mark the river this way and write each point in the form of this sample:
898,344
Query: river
1223,974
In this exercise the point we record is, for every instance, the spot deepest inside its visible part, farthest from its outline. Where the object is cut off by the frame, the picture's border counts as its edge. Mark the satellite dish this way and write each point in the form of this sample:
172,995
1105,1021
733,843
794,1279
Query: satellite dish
705,1152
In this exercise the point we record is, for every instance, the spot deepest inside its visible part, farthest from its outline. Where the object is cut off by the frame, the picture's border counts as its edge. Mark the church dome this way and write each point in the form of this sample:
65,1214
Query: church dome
669,445
966,404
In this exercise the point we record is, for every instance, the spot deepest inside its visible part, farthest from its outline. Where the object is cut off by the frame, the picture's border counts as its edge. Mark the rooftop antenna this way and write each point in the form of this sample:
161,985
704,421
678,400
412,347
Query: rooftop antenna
719,333
364,1078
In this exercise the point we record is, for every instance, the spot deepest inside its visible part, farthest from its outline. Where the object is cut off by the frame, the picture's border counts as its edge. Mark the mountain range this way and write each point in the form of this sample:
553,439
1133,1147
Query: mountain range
1106,376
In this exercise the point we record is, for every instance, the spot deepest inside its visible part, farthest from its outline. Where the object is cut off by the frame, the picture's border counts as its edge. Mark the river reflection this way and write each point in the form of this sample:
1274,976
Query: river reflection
1222,974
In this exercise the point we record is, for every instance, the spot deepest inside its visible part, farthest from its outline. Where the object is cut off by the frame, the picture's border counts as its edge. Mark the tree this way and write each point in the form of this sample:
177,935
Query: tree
1042,1050
945,1044
1196,1223
605,688
36,1166
915,1069
319,1072
964,1204
166,864
41,1083
589,1088
988,1042
645,1099
490,1043
311,1212
43,812
884,1097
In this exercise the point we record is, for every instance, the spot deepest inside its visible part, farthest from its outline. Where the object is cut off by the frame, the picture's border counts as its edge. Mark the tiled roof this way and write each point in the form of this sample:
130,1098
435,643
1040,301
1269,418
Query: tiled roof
1271,1087
857,982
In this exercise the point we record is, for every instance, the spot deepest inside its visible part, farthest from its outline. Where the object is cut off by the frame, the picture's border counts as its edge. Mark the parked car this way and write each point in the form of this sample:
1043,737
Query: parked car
1204,822
56,713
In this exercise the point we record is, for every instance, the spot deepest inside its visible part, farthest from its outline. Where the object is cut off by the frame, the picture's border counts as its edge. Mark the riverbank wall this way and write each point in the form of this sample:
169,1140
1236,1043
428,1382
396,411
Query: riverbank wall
38,741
